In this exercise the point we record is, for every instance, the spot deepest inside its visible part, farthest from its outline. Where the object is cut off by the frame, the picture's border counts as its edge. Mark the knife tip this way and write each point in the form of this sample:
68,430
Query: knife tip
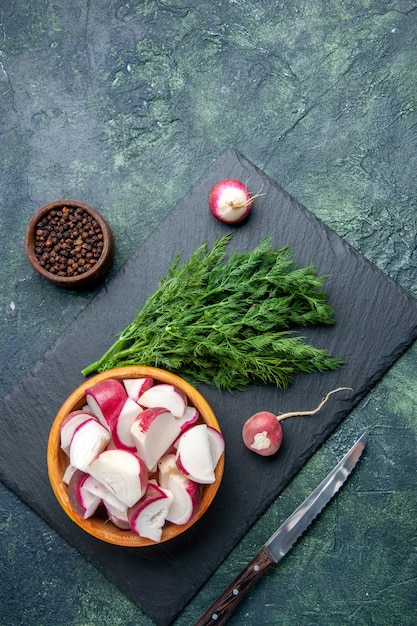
364,437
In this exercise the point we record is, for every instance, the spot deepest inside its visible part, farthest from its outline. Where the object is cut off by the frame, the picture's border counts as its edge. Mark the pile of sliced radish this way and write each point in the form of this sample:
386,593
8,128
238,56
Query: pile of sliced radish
138,449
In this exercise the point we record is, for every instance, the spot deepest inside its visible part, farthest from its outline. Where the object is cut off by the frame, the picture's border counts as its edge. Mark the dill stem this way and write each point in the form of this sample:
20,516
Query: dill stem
95,367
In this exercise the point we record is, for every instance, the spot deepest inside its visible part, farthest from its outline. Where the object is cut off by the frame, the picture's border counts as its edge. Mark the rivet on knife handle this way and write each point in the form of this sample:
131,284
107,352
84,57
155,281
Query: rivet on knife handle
222,608
284,537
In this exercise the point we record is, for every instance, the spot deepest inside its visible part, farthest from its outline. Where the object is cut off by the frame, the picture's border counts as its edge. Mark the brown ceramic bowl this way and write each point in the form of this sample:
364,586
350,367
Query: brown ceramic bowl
76,281
96,525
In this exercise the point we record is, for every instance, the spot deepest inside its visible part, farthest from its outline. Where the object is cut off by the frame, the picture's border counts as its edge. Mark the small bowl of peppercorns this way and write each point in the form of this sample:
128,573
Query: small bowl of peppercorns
70,244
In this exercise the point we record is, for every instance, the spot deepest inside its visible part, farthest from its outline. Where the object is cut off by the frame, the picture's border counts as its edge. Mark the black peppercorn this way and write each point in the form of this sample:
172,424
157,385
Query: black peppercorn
68,241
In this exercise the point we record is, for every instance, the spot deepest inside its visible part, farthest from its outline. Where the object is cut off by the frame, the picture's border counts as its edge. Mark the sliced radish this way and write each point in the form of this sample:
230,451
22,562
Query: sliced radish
122,423
190,416
119,511
89,439
118,519
185,492
106,399
69,425
167,464
119,522
122,472
166,396
136,386
82,501
194,455
108,498
68,474
148,516
154,430
217,445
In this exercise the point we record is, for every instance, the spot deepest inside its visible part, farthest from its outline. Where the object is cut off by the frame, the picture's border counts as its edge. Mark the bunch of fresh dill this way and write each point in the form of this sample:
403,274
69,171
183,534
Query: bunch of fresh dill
228,322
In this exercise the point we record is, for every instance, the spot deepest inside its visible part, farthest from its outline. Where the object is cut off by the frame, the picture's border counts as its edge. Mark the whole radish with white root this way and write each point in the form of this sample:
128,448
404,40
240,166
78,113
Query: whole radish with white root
230,201
262,433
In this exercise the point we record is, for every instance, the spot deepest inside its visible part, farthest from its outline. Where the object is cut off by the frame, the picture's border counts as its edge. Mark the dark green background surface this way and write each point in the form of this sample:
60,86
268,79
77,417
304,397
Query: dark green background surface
124,106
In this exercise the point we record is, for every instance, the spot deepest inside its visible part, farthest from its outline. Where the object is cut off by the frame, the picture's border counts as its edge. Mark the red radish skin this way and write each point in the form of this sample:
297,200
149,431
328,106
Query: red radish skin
105,399
262,432
189,417
82,501
147,517
230,201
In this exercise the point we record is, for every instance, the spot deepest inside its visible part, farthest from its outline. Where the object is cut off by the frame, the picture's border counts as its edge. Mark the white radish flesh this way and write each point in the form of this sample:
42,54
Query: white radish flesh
194,455
190,416
69,425
122,423
105,399
217,444
136,386
167,465
119,522
109,499
118,517
123,473
148,516
154,431
186,496
165,396
89,439
69,473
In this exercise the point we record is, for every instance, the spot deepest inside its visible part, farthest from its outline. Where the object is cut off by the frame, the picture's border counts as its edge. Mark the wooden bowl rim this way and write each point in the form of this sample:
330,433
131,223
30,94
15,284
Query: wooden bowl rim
57,459
95,273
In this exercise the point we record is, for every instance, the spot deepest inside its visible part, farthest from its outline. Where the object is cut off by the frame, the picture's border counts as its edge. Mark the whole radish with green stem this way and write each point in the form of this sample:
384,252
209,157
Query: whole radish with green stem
262,432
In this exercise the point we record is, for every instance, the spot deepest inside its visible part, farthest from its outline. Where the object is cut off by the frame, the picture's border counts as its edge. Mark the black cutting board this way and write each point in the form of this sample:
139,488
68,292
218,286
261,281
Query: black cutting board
375,322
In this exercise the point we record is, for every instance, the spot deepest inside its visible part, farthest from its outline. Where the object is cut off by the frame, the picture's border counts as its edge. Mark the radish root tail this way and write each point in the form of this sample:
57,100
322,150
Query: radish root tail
284,416
242,205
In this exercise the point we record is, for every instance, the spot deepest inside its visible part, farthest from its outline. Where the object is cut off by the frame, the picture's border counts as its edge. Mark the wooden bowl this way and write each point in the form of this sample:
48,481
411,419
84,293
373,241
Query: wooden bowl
83,280
58,461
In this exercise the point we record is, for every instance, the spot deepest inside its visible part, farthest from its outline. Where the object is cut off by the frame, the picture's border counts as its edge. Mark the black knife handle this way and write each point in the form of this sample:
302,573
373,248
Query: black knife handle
223,607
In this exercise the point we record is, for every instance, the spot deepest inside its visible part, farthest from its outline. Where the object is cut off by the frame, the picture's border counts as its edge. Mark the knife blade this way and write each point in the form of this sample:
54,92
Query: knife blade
283,538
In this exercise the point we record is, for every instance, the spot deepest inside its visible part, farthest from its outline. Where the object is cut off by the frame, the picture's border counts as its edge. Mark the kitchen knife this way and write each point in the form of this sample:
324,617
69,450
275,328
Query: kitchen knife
283,539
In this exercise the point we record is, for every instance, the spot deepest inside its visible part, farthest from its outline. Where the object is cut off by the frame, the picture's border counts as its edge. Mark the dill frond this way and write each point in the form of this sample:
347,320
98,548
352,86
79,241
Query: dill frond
229,323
